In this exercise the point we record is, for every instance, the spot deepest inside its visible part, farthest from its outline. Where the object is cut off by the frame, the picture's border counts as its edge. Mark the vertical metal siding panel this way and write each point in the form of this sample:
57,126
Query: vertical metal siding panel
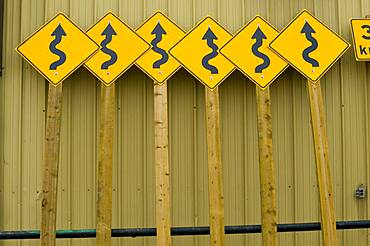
232,128
354,125
82,106
149,165
148,125
187,141
241,201
332,98
182,154
12,120
188,190
283,125
33,118
184,171
306,189
283,131
251,169
133,96
22,130
366,11
131,144
2,132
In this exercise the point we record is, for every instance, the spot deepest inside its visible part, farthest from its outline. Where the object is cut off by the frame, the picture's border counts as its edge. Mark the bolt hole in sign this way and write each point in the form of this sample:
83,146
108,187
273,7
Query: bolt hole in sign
199,52
57,49
309,46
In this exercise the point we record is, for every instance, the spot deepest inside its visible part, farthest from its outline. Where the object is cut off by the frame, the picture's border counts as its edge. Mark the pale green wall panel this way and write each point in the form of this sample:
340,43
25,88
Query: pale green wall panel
22,121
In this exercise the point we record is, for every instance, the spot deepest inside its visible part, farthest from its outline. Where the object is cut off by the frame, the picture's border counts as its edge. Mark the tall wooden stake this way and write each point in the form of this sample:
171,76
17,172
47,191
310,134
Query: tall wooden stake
51,163
162,169
267,168
328,222
215,179
104,202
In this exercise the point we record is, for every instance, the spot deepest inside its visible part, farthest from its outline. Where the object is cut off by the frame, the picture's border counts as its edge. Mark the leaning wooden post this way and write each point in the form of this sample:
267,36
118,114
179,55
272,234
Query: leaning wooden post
43,51
267,168
162,169
117,54
51,163
104,201
215,178
322,164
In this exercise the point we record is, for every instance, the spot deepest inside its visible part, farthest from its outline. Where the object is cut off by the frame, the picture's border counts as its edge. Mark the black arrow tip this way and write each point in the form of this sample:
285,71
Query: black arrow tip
109,30
258,34
209,35
59,31
158,29
307,28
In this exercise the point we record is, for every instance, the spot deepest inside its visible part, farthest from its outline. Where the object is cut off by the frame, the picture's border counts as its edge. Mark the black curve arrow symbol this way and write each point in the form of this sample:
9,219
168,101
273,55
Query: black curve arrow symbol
158,31
108,33
58,33
308,30
259,36
210,37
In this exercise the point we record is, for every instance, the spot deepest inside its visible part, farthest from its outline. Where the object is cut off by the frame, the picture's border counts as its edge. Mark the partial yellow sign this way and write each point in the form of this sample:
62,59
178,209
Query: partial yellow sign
57,49
248,50
162,34
361,38
199,53
120,48
309,46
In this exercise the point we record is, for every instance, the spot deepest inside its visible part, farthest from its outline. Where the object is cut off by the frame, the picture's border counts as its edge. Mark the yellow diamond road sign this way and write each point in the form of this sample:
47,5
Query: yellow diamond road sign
199,53
57,49
162,34
309,46
120,48
361,38
249,52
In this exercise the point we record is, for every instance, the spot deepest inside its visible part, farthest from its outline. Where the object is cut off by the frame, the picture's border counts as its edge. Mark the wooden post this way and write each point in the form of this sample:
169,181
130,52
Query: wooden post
267,168
328,222
104,201
162,169
215,179
51,163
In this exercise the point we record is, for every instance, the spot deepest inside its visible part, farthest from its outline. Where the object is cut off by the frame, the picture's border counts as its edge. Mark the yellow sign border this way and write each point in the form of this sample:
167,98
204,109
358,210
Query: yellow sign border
198,24
129,66
354,41
73,70
177,69
250,78
331,64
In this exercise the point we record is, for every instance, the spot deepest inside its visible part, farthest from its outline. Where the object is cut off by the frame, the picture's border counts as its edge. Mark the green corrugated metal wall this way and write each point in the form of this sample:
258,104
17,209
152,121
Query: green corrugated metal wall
22,121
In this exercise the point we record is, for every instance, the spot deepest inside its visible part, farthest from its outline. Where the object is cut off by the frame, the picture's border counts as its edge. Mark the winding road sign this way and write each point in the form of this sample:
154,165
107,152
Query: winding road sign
361,38
199,52
163,34
248,50
57,49
120,48
309,46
